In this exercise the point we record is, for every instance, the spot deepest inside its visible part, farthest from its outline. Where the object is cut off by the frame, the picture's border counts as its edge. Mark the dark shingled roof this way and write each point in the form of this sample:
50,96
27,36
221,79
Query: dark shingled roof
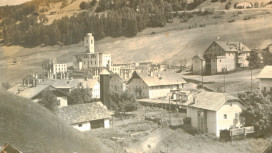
161,78
83,112
210,100
233,46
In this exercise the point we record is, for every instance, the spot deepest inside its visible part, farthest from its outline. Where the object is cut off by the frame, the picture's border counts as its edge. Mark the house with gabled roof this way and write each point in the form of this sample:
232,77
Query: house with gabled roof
85,117
225,55
67,85
34,93
211,112
265,77
154,84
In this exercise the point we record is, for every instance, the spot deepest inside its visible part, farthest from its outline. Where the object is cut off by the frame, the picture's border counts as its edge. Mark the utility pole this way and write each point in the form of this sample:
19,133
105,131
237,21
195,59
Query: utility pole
251,78
201,73
224,80
170,109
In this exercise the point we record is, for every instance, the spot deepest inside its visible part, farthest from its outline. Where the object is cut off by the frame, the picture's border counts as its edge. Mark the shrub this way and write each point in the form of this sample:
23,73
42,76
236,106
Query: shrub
189,129
83,5
225,135
214,1
5,85
202,25
240,12
232,20
227,6
222,1
256,4
187,121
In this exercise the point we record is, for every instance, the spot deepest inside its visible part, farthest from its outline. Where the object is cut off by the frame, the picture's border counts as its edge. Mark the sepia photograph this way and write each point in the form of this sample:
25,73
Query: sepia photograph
135,76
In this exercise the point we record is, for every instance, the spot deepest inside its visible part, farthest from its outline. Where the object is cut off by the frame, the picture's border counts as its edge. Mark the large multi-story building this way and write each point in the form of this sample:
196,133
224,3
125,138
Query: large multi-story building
225,56
59,68
154,84
91,59
54,70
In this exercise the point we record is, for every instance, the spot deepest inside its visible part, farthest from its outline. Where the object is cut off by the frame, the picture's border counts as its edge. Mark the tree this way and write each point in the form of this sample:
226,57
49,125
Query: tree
123,102
254,59
227,6
80,96
267,58
84,5
256,4
48,100
258,112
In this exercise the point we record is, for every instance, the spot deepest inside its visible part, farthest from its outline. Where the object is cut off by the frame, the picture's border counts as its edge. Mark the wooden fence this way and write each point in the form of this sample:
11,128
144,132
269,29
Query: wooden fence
241,132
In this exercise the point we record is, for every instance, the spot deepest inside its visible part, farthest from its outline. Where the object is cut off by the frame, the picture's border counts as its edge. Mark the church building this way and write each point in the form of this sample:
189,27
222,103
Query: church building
91,59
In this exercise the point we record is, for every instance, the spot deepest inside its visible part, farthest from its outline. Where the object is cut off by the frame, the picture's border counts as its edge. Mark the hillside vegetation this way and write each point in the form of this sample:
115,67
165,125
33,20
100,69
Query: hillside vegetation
175,43
29,26
33,129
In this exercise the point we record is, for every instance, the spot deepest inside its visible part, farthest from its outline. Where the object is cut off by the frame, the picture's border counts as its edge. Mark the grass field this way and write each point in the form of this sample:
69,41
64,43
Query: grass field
173,43
33,129
236,82
150,137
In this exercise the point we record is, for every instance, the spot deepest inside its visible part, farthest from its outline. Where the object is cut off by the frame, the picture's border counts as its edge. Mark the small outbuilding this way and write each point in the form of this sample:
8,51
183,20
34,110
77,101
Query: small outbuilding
198,65
265,77
211,112
85,117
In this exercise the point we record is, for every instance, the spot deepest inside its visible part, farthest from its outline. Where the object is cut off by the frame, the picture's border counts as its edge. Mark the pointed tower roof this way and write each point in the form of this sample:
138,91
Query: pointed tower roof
104,72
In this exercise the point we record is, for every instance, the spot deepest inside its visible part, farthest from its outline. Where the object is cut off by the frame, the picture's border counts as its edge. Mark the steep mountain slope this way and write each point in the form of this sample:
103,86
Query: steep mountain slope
12,2
33,129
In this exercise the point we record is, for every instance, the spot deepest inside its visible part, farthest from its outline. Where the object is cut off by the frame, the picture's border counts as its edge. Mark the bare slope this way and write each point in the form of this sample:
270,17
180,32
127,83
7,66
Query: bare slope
33,129
12,2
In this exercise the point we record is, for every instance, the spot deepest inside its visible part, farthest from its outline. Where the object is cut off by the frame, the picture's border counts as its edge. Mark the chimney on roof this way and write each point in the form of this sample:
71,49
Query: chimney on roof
151,74
36,75
159,76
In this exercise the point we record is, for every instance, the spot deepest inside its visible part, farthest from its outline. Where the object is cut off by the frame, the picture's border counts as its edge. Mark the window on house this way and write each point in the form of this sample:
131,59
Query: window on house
236,115
58,102
225,116
270,88
79,125
264,88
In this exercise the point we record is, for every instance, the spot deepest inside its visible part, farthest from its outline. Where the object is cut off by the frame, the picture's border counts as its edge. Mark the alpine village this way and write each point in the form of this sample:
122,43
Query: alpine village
136,76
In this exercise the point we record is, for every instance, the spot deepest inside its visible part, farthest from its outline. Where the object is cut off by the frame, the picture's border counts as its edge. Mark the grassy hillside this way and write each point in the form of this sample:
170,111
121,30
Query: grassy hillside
175,43
221,6
33,129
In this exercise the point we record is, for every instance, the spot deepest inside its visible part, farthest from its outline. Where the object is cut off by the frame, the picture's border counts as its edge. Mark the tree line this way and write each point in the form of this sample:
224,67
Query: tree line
113,18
